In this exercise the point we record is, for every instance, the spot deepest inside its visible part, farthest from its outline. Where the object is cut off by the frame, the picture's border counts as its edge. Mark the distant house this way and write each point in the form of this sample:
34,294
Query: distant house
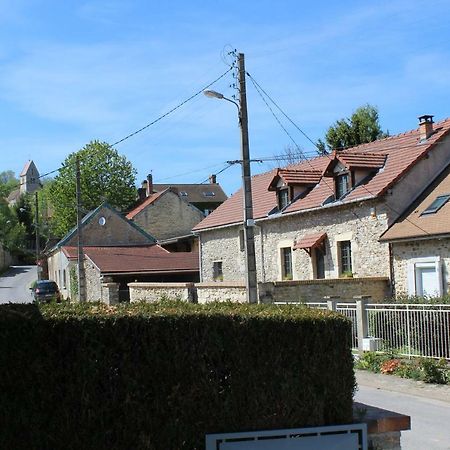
420,242
168,218
204,196
29,183
318,222
116,250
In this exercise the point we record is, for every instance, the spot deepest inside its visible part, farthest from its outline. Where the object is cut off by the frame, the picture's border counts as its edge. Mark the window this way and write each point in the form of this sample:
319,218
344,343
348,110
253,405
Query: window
183,194
217,271
345,257
241,240
209,194
437,204
286,263
425,277
342,185
283,198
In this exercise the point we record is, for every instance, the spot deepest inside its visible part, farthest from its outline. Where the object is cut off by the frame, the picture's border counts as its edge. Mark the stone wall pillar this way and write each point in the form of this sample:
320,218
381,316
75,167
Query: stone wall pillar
110,293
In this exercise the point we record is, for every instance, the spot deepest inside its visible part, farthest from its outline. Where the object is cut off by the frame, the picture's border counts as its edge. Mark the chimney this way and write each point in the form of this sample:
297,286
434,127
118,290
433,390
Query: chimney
149,185
425,127
212,179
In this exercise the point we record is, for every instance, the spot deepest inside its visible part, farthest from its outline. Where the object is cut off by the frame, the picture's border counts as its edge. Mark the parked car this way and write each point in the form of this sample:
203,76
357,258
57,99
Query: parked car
46,291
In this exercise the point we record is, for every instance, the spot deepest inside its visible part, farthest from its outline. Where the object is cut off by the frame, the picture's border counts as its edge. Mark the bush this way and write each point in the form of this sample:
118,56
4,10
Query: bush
161,376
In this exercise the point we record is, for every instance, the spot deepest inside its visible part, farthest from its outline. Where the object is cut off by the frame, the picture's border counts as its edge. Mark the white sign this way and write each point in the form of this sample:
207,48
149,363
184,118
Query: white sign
337,437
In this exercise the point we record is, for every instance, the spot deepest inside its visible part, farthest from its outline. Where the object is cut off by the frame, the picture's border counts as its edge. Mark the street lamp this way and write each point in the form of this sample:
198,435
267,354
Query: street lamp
249,223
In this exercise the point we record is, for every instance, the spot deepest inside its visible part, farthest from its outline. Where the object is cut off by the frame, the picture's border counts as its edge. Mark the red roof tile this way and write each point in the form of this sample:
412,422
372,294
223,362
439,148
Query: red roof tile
148,201
360,160
401,153
145,259
296,177
310,240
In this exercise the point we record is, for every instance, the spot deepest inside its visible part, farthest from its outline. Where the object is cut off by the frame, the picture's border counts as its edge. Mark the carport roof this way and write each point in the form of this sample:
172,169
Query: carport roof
142,259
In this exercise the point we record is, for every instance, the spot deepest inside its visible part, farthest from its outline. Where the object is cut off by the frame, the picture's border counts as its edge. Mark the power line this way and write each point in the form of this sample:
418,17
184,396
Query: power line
172,110
282,112
146,126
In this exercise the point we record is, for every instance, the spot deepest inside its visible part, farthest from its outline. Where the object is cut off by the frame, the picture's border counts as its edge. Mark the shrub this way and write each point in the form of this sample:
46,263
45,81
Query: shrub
390,366
161,376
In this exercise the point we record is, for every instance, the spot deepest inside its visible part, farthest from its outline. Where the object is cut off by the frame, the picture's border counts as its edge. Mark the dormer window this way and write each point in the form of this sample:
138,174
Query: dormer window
342,185
283,198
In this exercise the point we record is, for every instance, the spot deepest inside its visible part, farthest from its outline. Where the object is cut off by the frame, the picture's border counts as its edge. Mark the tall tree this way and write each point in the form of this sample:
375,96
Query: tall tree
12,233
362,127
105,175
8,183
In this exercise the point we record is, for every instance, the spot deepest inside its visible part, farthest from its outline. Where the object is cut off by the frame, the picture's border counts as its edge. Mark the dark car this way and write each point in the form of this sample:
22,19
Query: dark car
46,291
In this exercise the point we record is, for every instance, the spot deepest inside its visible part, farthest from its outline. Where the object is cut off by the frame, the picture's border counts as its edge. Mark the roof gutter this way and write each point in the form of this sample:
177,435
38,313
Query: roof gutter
415,238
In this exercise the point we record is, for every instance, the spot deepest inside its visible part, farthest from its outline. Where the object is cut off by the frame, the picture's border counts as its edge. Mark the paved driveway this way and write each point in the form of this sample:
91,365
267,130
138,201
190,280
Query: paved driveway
427,405
15,284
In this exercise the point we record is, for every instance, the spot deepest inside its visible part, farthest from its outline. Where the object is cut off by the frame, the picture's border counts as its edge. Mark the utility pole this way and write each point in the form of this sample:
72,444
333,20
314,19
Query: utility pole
36,229
249,236
81,291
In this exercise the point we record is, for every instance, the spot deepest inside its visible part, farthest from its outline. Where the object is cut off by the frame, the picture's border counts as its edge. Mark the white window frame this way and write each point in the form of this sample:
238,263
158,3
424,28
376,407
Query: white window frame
420,263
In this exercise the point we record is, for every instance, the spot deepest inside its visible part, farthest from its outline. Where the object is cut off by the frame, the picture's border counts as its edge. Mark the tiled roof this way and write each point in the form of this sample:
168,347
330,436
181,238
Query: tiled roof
414,224
142,259
310,240
148,201
401,153
26,168
296,177
359,160
196,193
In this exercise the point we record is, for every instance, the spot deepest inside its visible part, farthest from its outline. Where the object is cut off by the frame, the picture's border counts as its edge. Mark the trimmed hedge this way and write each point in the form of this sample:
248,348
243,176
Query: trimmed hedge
161,376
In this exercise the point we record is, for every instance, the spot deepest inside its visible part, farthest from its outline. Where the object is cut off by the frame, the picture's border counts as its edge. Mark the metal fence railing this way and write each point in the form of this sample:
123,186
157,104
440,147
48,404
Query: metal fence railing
406,329
411,329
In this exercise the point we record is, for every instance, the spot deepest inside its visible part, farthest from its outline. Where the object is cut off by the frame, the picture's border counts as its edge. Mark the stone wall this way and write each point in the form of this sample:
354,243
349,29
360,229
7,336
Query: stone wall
169,216
361,224
115,231
93,282
221,292
152,292
5,258
378,288
404,252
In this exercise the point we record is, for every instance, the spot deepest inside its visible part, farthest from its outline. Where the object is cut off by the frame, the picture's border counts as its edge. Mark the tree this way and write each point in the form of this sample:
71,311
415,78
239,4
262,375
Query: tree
362,127
12,233
105,175
24,214
8,183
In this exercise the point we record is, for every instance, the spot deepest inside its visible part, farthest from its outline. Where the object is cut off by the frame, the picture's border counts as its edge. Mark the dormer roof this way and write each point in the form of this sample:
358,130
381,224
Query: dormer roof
352,160
293,177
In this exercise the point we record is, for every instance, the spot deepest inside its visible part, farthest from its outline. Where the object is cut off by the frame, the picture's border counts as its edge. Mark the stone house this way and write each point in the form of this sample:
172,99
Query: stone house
420,243
318,222
168,218
204,196
118,251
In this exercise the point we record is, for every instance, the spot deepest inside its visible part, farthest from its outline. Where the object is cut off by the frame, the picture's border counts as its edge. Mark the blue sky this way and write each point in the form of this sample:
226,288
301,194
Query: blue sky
74,71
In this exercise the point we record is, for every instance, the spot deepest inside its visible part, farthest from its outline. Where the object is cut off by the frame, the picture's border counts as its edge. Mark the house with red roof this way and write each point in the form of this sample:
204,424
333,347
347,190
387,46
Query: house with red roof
318,223
116,252
420,243
168,218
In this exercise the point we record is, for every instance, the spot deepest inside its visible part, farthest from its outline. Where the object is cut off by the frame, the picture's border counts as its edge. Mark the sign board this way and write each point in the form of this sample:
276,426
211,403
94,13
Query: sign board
336,437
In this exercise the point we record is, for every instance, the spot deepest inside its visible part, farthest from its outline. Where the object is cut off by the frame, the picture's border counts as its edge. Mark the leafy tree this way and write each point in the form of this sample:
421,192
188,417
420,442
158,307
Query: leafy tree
12,233
362,127
105,175
8,183
24,214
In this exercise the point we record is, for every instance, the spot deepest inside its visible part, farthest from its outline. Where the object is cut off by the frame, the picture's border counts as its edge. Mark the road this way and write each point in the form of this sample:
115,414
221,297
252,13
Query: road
430,415
15,284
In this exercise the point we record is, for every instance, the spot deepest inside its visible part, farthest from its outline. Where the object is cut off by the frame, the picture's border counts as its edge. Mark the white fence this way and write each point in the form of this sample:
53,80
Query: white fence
407,329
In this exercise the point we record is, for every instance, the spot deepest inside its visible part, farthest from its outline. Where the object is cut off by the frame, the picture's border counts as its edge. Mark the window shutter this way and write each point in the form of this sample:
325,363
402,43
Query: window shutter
411,272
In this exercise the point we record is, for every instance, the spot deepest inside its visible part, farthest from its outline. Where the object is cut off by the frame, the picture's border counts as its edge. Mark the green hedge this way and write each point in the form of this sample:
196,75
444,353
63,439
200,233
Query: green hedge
162,376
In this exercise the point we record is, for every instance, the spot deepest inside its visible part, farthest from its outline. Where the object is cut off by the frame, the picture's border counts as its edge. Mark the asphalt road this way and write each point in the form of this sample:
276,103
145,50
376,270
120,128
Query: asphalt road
15,284
427,405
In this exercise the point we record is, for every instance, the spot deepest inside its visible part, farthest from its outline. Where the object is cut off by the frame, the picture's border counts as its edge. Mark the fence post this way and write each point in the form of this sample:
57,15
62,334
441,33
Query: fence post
362,328
332,301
